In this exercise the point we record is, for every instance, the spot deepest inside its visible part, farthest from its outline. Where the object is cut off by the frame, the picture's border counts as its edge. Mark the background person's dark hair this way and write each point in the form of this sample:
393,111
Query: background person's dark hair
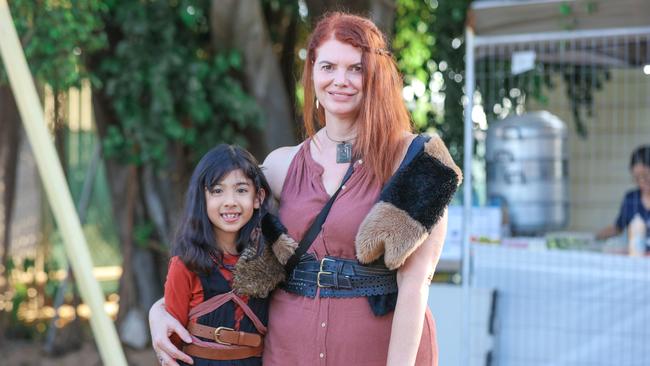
195,242
640,156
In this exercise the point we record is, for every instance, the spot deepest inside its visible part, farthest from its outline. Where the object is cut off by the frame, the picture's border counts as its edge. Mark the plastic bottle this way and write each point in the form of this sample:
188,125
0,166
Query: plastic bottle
636,235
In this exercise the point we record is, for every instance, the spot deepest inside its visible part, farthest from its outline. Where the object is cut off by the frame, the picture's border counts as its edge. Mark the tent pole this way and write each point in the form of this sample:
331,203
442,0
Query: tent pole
470,86
56,188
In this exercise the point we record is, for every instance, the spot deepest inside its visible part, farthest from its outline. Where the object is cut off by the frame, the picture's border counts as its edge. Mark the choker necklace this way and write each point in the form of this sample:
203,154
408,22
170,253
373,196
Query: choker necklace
343,149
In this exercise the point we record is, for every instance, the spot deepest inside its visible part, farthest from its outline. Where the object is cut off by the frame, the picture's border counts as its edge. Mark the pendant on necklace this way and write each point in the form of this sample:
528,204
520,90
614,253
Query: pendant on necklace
343,152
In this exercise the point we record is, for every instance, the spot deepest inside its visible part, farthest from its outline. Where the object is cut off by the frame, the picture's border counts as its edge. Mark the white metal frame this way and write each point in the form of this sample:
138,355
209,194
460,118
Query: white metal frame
472,42
479,41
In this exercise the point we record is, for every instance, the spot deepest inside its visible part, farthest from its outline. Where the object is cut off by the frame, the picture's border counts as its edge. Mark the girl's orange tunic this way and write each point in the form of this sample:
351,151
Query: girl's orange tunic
330,331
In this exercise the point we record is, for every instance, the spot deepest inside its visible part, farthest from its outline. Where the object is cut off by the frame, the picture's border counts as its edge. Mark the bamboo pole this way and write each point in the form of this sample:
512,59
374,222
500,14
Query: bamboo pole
56,188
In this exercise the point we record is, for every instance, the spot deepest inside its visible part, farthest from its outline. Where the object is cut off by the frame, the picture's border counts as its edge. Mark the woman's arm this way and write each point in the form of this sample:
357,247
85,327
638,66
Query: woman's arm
162,326
413,280
608,232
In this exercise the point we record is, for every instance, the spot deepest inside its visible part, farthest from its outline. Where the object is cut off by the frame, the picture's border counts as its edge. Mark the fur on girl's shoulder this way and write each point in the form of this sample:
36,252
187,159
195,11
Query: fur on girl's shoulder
257,274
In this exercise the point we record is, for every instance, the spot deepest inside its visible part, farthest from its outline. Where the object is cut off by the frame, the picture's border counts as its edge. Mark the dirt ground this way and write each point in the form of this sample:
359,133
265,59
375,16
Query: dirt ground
22,353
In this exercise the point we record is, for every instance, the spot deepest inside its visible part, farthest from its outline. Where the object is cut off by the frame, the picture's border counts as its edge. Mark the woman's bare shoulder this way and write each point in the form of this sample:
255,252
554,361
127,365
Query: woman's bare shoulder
281,153
276,165
407,138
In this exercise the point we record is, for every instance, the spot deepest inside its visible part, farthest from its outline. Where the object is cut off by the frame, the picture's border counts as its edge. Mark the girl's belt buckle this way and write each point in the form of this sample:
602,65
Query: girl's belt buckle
217,335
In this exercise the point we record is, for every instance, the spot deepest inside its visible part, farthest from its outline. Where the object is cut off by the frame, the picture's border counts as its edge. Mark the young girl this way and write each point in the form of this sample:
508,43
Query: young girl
226,199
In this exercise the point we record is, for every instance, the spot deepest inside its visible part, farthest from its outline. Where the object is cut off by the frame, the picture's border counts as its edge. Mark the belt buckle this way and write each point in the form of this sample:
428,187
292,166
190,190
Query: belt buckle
321,272
217,335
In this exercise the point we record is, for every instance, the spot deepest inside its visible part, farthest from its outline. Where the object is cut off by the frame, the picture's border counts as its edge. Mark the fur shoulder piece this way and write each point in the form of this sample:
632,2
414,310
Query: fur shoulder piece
257,274
409,206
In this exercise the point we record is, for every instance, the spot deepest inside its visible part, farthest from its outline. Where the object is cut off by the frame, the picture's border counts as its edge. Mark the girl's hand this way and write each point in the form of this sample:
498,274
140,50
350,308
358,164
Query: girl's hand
163,325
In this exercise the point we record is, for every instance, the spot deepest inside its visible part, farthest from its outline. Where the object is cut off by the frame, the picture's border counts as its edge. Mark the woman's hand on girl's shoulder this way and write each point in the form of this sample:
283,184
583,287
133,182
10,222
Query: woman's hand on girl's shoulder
276,165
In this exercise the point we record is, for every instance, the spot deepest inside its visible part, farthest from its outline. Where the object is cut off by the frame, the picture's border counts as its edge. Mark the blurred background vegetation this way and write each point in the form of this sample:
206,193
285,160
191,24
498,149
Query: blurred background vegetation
167,80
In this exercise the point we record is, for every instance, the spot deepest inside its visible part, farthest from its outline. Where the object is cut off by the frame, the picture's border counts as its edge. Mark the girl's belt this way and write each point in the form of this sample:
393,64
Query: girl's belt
227,336
231,353
230,344
339,277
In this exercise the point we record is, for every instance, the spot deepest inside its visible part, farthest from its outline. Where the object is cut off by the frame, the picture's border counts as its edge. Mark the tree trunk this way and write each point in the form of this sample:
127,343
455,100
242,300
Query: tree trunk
134,198
288,58
59,131
122,187
240,24
9,147
317,8
154,204
381,12
127,291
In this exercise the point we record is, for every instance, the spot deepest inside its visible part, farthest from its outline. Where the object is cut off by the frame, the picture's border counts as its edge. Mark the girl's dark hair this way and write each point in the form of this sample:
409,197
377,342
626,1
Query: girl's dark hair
195,242
640,156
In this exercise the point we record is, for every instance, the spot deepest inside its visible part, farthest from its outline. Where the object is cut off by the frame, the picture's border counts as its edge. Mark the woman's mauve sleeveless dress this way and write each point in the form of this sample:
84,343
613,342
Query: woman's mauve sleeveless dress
330,331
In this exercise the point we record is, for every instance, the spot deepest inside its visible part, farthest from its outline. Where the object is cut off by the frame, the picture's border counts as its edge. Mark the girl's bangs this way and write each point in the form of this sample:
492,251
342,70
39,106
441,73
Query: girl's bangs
216,172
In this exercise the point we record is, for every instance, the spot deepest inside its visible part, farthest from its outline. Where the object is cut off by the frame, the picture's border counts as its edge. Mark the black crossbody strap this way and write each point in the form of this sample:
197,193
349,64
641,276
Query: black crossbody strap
414,148
316,226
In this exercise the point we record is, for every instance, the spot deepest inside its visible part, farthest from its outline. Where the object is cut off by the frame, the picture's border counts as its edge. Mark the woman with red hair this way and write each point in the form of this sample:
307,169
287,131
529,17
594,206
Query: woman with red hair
358,296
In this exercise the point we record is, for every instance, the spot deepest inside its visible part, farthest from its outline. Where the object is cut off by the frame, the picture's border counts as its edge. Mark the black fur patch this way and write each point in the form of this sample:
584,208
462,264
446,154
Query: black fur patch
422,189
272,228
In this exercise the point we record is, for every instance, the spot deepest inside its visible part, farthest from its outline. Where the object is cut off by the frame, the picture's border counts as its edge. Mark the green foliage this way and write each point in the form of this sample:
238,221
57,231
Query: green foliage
167,85
582,81
429,47
428,42
18,296
57,35
414,44
498,87
142,232
156,65
567,15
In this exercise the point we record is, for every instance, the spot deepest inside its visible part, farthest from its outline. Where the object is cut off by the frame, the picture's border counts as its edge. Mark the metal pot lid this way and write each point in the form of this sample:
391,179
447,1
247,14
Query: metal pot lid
539,124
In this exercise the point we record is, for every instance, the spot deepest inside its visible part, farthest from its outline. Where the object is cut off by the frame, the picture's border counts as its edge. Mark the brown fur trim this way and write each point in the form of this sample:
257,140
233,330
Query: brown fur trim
437,149
390,231
257,276
409,206
284,247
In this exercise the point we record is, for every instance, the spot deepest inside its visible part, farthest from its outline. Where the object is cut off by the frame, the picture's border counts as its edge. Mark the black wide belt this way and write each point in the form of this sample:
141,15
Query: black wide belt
339,277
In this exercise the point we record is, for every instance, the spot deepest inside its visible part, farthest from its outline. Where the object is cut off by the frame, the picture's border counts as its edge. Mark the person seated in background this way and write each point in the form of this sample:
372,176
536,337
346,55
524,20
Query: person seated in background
636,201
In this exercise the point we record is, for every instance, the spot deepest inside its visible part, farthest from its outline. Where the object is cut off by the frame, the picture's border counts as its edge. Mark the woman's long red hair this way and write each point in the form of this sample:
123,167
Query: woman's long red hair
383,118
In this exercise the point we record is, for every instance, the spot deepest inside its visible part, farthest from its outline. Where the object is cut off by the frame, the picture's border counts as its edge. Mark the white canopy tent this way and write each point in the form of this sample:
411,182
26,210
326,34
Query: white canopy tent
599,49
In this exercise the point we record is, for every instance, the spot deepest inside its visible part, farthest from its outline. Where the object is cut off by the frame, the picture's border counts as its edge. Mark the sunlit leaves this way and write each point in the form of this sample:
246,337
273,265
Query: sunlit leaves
429,47
57,36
